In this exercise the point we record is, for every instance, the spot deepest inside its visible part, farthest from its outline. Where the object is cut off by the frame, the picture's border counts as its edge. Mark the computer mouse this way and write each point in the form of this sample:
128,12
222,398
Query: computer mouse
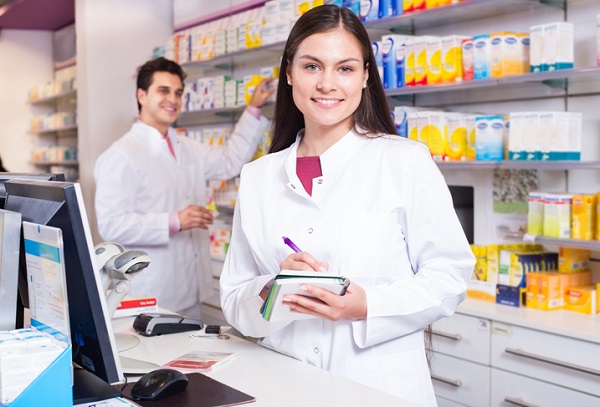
159,384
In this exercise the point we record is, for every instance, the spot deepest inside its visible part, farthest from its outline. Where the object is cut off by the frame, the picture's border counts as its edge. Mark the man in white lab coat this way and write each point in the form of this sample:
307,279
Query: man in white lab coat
151,188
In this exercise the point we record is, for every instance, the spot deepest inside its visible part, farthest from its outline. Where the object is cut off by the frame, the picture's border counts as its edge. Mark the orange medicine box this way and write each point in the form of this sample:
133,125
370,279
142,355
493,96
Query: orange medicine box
583,216
551,290
582,299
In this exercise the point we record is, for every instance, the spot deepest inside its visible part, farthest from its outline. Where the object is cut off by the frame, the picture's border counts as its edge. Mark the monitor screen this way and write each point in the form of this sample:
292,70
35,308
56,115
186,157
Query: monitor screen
60,204
463,199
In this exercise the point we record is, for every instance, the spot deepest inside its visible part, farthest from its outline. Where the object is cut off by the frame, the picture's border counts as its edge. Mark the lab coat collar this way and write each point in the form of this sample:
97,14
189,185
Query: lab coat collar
332,161
153,131
153,136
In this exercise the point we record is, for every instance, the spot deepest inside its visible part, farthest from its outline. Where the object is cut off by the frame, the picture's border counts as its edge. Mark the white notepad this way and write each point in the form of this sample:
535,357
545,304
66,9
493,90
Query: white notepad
289,282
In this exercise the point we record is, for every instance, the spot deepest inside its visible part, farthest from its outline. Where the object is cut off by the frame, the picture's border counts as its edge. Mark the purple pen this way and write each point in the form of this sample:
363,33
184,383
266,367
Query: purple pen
291,244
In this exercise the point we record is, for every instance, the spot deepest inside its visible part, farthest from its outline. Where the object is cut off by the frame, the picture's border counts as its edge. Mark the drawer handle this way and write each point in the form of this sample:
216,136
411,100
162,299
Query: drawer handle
456,337
455,383
518,402
519,352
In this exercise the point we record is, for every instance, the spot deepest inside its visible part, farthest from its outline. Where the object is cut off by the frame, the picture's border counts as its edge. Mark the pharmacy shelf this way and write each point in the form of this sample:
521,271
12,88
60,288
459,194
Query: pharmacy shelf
220,115
554,79
457,13
579,243
50,163
531,165
249,57
55,131
54,98
408,22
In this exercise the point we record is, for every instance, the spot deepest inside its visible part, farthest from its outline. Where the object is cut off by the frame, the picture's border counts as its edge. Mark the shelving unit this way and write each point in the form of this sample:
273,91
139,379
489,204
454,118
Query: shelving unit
71,94
553,241
57,131
521,165
49,137
51,163
459,13
479,374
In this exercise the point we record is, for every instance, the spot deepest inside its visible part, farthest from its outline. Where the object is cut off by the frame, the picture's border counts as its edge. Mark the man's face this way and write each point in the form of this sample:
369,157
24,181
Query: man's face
161,104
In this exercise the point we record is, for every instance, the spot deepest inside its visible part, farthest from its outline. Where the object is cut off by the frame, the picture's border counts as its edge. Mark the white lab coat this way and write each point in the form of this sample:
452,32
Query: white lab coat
138,182
380,215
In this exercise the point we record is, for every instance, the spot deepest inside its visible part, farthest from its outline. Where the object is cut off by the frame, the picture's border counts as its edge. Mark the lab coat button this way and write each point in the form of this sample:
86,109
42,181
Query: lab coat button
316,350
310,230
320,181
293,186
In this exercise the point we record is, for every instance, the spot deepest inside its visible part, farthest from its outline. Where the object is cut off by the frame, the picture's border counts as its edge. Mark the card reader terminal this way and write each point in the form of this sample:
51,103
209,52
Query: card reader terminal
152,324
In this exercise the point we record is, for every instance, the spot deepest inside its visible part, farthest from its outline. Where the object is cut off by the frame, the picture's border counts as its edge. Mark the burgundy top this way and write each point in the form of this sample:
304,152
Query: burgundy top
308,168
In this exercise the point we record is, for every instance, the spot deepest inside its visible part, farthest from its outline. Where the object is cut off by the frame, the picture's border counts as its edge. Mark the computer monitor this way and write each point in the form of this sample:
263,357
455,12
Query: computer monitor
60,204
22,300
42,176
10,232
463,199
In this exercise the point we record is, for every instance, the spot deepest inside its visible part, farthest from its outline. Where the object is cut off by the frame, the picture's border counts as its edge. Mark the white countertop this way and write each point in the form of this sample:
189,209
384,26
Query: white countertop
274,379
559,322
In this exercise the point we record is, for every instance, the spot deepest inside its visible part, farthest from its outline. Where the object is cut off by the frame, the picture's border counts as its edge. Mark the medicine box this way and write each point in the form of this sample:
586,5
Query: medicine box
468,59
451,58
434,59
558,50
481,56
509,295
582,299
34,363
573,260
557,215
456,140
481,290
583,216
535,213
489,138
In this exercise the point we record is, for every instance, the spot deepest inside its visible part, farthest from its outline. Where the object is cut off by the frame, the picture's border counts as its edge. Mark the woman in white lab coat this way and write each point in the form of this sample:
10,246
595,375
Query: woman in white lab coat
359,201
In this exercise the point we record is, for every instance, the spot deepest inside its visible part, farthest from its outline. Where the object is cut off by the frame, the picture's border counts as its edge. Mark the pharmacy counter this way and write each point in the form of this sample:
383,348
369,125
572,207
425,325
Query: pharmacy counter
272,378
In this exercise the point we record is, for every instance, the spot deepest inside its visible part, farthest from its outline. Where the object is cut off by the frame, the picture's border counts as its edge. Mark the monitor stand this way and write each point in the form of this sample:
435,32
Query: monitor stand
88,387
126,341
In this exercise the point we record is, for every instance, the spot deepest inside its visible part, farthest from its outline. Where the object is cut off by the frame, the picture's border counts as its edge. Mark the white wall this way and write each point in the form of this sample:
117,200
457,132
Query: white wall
25,61
114,38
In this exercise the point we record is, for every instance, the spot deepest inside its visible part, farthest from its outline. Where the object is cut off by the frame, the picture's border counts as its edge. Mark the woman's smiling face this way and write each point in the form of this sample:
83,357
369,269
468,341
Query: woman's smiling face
327,76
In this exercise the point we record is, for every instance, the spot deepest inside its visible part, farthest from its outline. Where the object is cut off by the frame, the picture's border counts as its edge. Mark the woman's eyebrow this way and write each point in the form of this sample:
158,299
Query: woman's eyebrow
343,61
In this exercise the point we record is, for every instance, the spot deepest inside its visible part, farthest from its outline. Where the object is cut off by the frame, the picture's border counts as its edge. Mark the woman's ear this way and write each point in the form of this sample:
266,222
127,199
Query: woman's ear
288,74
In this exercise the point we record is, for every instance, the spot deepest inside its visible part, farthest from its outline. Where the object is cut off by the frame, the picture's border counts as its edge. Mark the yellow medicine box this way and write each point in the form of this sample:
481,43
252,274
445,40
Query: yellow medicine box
583,216
582,299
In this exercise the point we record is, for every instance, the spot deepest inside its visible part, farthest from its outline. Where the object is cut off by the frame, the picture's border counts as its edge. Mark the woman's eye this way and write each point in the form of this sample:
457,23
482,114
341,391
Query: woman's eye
312,67
346,69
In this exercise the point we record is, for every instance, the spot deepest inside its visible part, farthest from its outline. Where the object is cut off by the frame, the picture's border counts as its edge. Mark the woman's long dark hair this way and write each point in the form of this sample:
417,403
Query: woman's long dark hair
373,113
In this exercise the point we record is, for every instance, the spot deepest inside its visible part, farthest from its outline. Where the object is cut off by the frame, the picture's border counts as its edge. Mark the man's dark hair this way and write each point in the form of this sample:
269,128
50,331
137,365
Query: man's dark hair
146,73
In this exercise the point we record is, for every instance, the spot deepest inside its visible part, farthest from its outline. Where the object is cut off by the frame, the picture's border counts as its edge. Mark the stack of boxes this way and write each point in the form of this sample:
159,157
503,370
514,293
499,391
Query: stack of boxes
430,60
569,216
526,275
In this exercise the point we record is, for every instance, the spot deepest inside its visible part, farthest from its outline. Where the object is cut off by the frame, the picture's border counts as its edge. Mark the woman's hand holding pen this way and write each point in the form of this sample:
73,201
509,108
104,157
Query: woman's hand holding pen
303,261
